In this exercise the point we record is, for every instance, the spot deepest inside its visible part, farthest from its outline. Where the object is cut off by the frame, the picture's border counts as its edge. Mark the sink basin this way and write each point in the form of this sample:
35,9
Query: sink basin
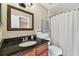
28,43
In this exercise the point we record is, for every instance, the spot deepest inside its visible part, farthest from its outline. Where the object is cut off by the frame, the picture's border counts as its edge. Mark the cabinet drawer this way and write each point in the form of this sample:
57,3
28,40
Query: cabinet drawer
42,48
31,53
44,53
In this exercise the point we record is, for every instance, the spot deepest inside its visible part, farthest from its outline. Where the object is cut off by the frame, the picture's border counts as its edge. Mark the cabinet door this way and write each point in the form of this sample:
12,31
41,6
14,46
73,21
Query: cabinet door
31,53
44,53
42,48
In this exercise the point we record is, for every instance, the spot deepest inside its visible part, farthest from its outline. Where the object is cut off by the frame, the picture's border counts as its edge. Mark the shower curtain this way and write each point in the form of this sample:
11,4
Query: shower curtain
65,32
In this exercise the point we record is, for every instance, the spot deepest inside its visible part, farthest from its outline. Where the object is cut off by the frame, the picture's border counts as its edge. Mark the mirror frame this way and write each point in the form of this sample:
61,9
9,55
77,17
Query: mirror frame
9,19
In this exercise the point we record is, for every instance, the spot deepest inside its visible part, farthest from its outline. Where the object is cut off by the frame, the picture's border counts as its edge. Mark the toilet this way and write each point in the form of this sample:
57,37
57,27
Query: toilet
52,49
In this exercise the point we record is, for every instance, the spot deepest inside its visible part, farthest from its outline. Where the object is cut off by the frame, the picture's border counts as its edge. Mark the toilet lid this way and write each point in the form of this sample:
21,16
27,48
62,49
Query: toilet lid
55,50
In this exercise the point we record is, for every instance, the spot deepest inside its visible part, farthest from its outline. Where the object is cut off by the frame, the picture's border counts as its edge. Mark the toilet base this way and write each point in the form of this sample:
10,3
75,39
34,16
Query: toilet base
61,55
50,54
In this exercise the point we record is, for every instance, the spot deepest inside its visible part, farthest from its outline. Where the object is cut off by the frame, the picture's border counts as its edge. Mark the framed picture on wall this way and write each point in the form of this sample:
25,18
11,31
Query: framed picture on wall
24,22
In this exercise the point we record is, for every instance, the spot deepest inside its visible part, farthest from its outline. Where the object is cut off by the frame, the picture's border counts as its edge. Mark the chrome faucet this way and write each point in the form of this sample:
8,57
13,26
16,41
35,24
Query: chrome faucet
25,39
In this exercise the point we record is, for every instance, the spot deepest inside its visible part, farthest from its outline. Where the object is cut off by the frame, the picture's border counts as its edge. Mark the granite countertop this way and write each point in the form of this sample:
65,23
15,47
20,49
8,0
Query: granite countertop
16,50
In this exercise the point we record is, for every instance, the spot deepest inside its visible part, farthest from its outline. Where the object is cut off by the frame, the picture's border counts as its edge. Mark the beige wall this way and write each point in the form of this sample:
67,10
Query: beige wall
39,13
0,33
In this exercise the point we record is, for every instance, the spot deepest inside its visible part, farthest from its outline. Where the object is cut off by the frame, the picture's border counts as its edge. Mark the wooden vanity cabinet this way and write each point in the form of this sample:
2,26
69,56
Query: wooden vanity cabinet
41,50
31,53
45,53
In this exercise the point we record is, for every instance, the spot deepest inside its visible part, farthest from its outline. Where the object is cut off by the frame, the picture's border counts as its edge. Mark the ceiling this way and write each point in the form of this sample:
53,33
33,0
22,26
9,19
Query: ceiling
63,7
57,8
49,5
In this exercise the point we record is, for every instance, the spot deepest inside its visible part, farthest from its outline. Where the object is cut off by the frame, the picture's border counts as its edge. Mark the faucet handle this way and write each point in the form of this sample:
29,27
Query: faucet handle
23,39
26,38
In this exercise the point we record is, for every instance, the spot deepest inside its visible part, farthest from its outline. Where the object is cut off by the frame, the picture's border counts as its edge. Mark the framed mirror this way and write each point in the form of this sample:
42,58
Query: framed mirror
18,19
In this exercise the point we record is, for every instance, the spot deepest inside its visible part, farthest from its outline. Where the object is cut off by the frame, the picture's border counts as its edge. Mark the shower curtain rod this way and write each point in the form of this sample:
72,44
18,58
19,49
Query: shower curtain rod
64,12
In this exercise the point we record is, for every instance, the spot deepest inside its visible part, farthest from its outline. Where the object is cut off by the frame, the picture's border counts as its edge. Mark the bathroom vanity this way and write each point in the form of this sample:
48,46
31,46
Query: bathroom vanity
10,47
41,50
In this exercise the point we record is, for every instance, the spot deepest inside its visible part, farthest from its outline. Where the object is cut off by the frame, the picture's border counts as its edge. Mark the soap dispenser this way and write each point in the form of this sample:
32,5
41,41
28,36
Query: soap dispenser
32,36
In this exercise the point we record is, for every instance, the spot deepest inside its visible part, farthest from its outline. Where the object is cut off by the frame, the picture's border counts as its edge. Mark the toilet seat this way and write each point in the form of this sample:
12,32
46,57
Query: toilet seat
54,50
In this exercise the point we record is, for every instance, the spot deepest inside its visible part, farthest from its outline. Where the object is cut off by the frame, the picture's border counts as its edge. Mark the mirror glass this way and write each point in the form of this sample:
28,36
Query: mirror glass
19,19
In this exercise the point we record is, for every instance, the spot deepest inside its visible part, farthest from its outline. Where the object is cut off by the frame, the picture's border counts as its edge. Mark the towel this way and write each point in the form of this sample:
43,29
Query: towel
44,26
